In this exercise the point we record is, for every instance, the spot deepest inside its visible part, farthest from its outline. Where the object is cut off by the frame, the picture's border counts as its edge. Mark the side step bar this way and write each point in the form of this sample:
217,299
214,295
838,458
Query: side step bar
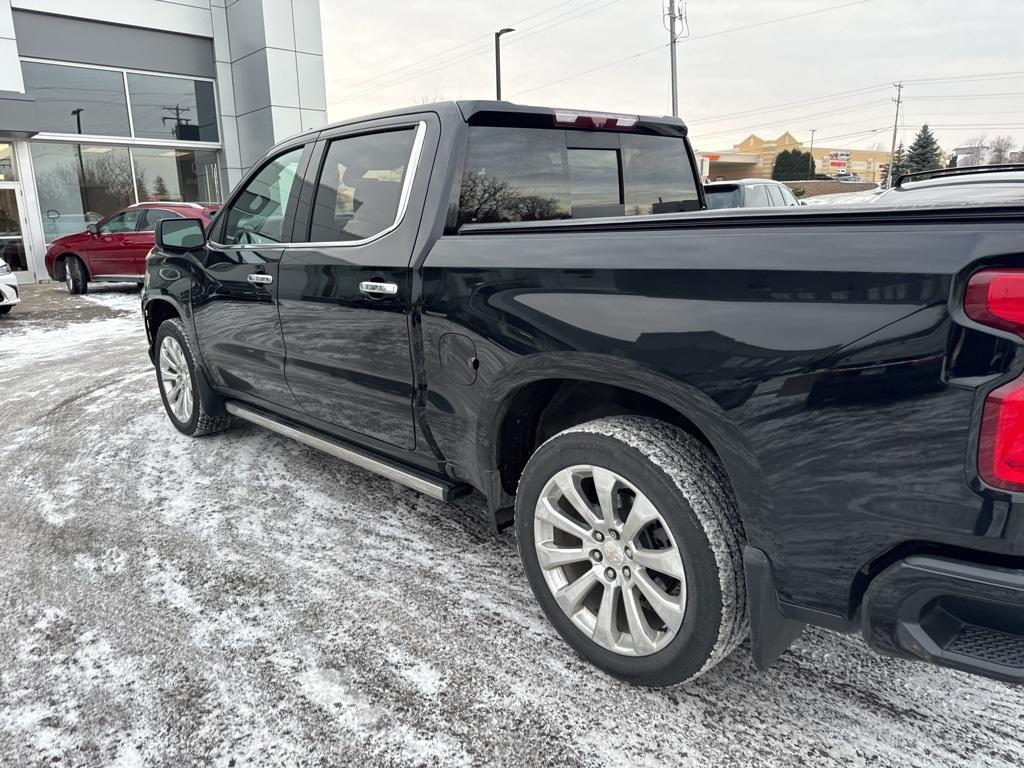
435,488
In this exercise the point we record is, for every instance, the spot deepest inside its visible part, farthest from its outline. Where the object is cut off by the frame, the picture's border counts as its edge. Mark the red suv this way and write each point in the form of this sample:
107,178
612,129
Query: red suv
114,250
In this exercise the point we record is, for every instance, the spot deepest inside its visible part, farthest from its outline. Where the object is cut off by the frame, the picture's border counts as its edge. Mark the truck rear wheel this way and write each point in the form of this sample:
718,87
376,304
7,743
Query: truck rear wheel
629,535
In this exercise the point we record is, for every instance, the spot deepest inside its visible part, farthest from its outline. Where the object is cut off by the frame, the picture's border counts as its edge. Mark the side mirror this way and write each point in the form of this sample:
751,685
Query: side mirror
179,235
92,229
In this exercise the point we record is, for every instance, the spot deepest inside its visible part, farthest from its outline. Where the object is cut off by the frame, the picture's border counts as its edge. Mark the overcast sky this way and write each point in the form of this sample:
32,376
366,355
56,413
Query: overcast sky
399,52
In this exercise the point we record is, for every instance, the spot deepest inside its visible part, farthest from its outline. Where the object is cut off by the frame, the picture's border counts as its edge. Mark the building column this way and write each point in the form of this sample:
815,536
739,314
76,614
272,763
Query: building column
269,60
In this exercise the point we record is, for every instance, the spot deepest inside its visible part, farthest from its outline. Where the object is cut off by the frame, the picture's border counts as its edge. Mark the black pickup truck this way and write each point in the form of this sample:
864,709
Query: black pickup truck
702,424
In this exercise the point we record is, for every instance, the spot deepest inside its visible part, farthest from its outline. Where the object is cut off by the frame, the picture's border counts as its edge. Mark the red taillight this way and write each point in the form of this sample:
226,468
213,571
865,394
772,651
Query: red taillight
1001,445
595,120
995,297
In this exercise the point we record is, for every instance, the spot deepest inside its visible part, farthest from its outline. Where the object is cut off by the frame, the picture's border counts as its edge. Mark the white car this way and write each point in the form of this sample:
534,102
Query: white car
8,288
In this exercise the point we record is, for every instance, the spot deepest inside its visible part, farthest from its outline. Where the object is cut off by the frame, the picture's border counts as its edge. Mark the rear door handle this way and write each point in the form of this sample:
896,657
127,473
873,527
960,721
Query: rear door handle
260,278
376,289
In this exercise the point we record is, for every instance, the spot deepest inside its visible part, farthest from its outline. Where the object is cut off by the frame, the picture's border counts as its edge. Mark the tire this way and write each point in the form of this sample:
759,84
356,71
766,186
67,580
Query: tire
75,277
694,538
5,309
179,381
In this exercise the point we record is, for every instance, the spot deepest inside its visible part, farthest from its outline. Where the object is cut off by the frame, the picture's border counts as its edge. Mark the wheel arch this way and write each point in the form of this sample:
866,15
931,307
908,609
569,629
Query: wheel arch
60,264
541,395
157,310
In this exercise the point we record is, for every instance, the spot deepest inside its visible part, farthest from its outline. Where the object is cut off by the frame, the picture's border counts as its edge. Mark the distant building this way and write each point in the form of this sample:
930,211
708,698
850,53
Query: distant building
973,154
754,158
111,102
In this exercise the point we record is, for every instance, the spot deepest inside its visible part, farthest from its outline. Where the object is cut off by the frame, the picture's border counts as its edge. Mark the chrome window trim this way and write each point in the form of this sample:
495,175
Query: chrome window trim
403,203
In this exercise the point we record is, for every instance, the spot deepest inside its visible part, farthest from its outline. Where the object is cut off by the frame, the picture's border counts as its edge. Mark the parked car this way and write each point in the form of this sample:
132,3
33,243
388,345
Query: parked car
749,193
978,184
697,422
9,294
114,249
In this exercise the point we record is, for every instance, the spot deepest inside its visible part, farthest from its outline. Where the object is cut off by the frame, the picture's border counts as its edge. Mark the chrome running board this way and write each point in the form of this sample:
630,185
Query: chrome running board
418,482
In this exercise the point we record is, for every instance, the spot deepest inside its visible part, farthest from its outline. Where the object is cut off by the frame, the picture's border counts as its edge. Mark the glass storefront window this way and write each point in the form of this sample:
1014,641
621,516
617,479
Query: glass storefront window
172,108
79,184
8,170
179,175
78,99
12,247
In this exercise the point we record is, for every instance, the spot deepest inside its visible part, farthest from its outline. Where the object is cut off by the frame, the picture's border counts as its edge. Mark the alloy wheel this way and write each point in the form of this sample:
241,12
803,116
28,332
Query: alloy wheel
175,379
609,560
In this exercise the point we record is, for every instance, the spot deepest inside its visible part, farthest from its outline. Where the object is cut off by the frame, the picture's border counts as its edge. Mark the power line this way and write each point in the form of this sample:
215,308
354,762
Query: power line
965,96
538,28
444,52
691,39
810,100
966,78
788,118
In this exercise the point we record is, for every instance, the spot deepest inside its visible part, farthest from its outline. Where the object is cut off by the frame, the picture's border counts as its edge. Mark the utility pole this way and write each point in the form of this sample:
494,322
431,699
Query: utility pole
810,160
895,125
178,120
497,59
675,16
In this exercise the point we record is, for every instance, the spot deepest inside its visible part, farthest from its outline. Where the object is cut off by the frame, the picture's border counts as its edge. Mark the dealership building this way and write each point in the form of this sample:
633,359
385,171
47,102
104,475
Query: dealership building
107,103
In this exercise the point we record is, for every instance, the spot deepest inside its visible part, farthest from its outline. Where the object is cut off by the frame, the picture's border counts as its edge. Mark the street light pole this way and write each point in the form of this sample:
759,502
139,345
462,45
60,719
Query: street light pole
497,59
77,114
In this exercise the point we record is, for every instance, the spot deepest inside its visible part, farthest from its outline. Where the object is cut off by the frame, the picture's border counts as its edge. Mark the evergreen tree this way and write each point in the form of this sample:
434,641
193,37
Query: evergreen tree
924,152
793,165
160,191
897,167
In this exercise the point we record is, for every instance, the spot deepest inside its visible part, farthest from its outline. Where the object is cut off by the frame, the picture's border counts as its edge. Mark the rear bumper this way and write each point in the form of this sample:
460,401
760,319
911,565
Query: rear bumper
949,612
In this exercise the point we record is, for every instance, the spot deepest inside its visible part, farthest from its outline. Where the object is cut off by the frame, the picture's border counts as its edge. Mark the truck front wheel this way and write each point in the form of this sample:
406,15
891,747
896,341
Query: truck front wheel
177,375
629,535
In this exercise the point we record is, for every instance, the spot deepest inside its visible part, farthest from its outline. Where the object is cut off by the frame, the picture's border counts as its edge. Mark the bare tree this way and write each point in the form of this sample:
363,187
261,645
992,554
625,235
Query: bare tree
1001,147
972,152
430,98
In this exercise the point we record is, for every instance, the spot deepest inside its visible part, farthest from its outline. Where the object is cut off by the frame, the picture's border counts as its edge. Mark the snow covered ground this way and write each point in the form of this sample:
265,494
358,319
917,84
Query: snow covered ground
244,600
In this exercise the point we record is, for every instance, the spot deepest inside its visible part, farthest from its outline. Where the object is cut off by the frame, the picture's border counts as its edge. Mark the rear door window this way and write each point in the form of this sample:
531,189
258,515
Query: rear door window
775,193
153,216
360,187
537,174
756,197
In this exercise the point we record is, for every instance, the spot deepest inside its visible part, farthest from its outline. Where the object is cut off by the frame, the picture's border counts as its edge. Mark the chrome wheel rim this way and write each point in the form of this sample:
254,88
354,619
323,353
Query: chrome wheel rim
608,558
175,379
69,279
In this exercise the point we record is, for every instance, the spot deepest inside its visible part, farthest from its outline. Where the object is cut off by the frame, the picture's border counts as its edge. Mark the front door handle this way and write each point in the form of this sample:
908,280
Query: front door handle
376,289
260,278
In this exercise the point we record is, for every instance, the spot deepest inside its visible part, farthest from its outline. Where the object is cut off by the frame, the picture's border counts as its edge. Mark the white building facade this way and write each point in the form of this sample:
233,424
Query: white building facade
110,102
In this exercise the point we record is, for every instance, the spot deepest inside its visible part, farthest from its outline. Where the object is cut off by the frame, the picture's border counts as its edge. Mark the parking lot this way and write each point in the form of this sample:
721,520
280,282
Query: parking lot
244,600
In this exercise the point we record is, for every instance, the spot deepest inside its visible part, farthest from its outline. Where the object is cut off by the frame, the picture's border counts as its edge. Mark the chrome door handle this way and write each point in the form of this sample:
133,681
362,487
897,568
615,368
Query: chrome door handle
389,289
260,278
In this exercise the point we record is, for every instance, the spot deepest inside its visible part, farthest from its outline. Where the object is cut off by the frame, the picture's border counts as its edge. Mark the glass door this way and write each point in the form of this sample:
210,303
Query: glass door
12,243
13,227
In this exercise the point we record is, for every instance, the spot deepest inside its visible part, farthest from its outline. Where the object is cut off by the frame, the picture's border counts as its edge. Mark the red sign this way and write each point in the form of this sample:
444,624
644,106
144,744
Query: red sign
837,163
713,157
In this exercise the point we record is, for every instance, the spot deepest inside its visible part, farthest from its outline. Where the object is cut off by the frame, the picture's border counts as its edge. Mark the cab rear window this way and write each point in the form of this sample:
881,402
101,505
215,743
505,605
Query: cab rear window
536,174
